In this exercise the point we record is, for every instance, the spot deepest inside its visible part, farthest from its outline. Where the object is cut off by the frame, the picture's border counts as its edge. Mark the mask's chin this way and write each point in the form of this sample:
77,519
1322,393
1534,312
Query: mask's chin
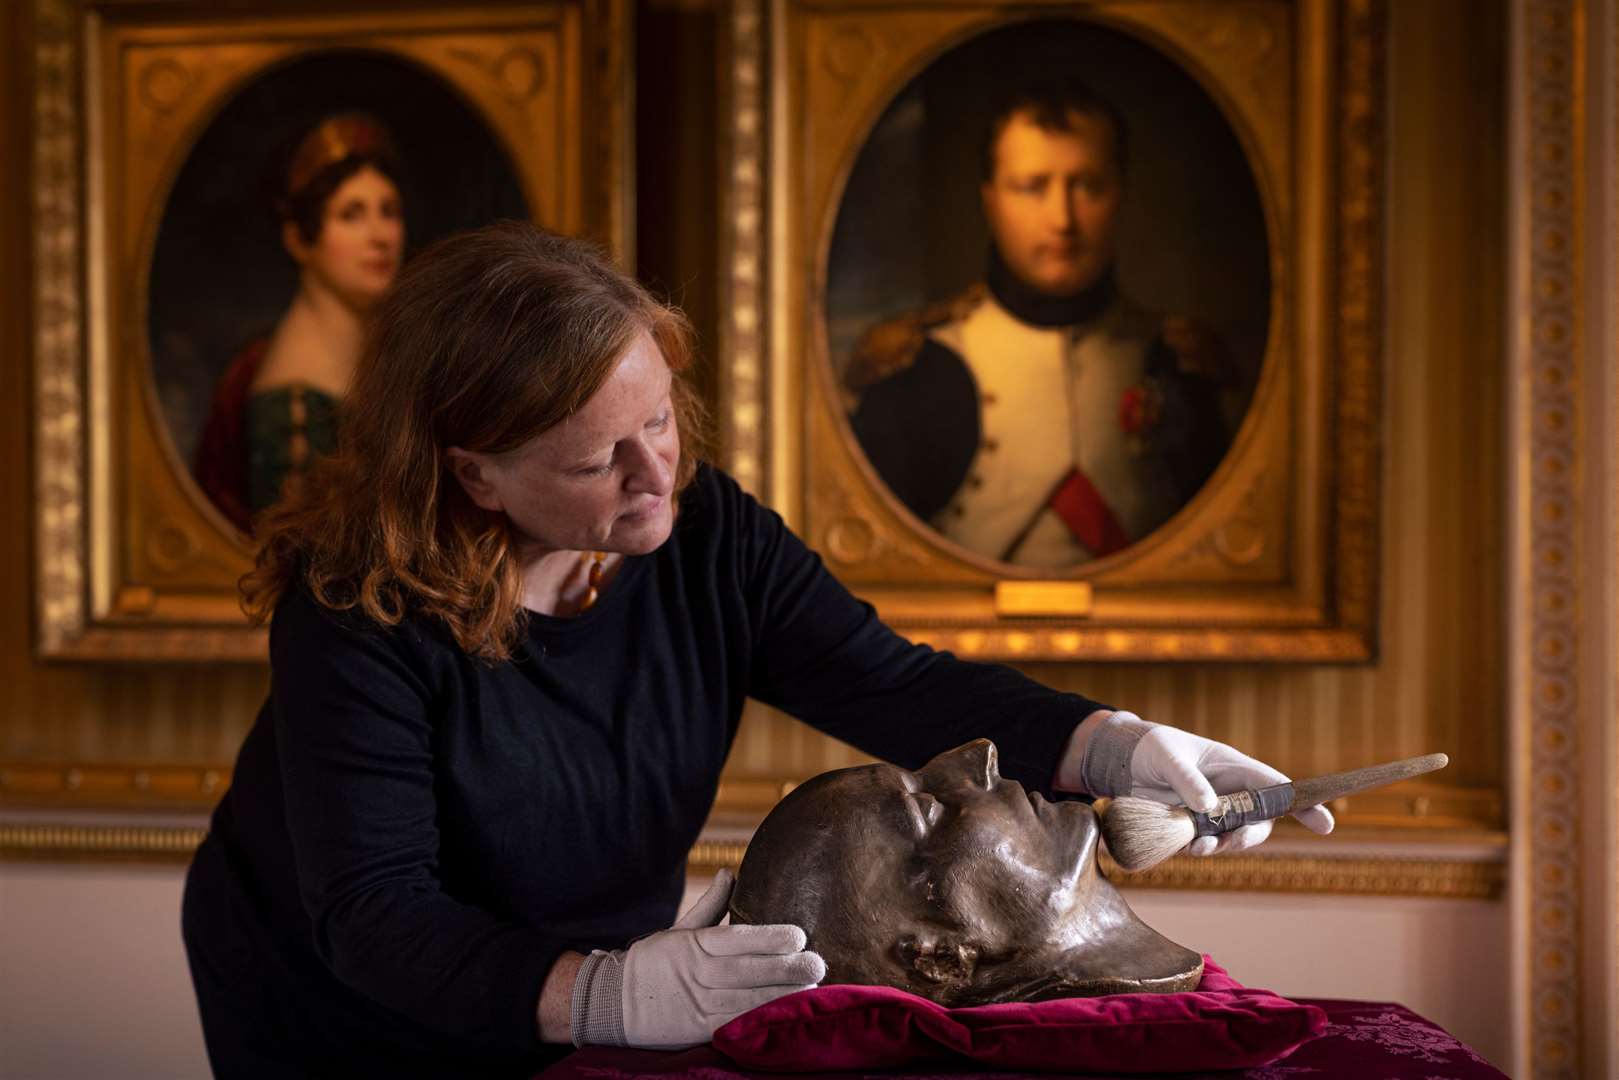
1052,985
1048,974
1029,977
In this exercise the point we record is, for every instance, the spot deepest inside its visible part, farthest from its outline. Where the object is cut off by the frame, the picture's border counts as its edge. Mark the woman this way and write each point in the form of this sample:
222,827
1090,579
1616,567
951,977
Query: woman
276,407
514,623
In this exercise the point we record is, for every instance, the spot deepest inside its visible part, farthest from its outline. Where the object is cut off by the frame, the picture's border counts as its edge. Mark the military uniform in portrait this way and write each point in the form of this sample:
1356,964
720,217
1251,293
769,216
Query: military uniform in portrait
1038,430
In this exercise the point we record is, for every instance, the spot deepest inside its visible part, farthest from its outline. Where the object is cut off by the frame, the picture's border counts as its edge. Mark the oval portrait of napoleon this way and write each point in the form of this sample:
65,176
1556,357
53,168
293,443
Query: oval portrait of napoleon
291,215
1048,293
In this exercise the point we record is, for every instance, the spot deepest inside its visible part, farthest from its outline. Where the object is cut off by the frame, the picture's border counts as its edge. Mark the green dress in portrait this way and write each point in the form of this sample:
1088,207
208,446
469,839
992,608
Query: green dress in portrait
255,442
287,428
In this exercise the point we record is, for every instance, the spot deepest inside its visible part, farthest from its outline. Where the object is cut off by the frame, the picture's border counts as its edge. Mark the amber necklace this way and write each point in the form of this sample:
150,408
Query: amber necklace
593,583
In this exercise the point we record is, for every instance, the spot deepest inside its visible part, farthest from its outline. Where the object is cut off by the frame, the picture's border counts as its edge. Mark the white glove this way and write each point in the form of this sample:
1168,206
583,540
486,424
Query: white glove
1126,755
673,989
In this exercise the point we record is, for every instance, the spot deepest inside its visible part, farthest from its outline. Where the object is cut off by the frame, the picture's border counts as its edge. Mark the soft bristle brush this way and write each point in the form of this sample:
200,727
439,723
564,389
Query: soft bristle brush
1141,833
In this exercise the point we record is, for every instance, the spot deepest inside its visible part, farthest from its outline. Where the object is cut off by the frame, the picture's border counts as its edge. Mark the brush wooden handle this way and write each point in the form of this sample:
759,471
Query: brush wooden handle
1319,789
1246,807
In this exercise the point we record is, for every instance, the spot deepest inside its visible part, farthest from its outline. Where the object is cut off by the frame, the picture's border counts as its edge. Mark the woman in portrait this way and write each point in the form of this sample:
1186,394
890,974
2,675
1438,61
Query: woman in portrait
514,619
276,407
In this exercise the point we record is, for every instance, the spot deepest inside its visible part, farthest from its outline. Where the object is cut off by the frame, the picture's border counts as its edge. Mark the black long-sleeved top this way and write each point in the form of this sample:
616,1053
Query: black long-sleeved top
413,835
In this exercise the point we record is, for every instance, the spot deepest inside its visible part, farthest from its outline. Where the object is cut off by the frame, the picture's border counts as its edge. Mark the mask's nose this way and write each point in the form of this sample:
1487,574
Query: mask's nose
977,763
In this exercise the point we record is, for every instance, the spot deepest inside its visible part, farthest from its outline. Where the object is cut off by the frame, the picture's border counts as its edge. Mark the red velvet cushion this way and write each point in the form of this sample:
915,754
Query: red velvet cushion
1220,1025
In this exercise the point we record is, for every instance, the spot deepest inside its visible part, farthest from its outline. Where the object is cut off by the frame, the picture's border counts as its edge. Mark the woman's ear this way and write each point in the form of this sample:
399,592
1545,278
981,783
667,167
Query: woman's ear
472,471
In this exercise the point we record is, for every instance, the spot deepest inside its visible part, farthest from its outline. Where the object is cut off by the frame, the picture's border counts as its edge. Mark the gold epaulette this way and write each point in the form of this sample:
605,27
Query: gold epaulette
891,346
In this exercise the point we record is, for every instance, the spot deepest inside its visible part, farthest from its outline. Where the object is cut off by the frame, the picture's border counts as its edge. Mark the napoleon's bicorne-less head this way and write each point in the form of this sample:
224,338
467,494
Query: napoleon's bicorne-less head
1053,183
954,884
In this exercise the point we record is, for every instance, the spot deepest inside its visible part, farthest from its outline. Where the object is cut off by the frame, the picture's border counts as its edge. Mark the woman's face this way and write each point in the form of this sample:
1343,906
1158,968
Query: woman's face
362,235
602,480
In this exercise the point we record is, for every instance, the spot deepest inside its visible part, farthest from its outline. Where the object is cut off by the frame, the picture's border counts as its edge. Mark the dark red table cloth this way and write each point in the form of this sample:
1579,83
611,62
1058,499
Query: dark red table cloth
1364,1040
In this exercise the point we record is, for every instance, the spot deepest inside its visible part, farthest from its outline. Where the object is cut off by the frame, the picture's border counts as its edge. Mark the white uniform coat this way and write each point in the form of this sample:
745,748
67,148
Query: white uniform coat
1050,398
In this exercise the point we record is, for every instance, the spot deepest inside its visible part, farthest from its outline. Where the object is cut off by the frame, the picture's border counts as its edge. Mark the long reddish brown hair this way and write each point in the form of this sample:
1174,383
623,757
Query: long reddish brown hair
488,339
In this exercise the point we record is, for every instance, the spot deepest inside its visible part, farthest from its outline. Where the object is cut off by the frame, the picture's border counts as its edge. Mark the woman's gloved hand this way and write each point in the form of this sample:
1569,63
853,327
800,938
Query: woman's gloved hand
1126,755
673,989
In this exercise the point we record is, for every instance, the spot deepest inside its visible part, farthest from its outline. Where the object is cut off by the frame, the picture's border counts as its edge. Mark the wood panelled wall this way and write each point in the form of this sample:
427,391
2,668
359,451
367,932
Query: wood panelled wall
1438,683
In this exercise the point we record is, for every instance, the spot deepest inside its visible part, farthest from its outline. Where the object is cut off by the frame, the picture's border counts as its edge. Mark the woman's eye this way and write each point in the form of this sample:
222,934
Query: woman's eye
661,422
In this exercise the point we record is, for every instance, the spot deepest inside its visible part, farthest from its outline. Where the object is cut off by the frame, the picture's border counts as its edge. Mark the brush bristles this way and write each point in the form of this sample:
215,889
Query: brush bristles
1141,833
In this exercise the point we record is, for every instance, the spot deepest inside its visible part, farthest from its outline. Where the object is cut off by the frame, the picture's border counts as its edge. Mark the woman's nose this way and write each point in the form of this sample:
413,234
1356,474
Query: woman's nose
653,472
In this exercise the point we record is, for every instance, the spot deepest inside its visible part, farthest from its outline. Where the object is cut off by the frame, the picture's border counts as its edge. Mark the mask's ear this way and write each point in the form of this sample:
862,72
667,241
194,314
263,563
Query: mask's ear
943,961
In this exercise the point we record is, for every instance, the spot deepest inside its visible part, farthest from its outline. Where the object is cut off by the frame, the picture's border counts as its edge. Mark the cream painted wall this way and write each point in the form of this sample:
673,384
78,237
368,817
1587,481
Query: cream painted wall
1445,959
95,980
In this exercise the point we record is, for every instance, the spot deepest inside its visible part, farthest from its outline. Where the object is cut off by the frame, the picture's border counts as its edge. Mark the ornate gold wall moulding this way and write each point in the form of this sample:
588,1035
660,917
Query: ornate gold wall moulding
152,786
743,284
1461,879
133,561
1448,879
1412,808
1411,811
134,787
1027,640
1423,806
1275,558
99,843
1555,688
739,798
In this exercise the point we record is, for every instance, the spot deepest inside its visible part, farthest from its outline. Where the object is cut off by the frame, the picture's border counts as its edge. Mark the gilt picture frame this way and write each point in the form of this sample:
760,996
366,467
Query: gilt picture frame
134,561
1273,555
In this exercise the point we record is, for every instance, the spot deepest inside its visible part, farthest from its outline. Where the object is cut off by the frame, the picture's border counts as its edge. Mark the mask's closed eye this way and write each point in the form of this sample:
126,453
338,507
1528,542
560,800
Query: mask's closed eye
927,810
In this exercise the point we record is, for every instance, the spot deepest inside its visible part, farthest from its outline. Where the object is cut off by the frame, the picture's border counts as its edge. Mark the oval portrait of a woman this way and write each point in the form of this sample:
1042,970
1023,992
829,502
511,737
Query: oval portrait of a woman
1048,293
289,219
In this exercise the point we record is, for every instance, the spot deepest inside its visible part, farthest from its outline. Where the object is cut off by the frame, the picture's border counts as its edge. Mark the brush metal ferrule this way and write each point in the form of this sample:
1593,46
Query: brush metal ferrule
1244,808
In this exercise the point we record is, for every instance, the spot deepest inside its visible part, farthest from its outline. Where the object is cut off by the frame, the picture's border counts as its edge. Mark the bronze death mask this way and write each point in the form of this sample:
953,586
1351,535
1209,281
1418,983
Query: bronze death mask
954,884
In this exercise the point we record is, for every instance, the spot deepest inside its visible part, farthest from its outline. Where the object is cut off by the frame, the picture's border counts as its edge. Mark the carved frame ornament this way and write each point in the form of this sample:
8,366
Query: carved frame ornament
132,562
1275,559
1556,398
